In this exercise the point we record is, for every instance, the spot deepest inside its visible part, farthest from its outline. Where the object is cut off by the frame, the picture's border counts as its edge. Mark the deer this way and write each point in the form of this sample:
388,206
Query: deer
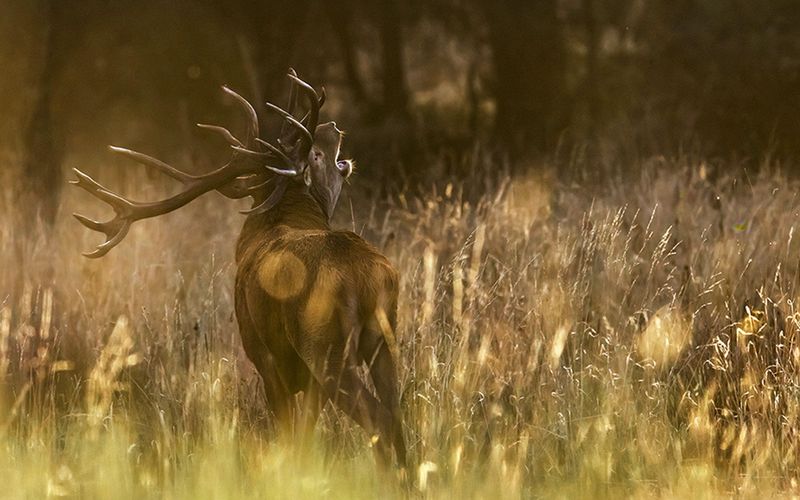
313,304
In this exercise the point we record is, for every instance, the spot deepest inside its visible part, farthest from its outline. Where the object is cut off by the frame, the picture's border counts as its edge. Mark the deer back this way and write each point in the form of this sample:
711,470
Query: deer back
310,274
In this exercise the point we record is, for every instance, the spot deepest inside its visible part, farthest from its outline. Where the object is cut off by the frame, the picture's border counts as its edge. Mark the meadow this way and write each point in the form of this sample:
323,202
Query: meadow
591,336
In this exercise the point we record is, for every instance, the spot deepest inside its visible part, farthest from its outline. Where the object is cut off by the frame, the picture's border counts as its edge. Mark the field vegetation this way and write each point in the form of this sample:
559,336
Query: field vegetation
592,205
561,337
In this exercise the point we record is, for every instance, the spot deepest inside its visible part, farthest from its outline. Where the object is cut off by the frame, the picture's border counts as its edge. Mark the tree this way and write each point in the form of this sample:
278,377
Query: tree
591,82
341,16
271,30
529,59
42,140
386,18
395,92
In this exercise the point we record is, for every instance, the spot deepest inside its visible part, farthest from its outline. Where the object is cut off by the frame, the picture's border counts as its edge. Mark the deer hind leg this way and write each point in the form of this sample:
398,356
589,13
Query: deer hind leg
381,361
351,395
280,401
313,402
292,419
336,371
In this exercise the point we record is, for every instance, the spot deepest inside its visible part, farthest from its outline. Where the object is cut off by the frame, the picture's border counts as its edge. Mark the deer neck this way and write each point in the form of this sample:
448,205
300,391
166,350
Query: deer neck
296,210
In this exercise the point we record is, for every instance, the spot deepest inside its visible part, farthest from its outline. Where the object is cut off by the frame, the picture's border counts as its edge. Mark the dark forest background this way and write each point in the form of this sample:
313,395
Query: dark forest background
613,81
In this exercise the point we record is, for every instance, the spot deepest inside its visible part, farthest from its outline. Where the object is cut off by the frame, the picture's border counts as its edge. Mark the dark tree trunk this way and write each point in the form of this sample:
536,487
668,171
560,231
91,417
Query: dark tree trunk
529,65
43,149
591,84
395,92
278,25
340,16
270,30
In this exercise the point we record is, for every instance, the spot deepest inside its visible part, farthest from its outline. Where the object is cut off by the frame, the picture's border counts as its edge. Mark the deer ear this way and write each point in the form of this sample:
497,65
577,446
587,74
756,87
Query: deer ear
307,175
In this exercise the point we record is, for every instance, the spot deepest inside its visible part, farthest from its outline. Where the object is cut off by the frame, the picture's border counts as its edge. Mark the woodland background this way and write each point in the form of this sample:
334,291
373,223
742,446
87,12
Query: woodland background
591,204
618,80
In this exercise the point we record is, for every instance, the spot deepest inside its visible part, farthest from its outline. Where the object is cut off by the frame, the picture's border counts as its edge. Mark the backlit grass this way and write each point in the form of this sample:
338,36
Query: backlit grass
634,337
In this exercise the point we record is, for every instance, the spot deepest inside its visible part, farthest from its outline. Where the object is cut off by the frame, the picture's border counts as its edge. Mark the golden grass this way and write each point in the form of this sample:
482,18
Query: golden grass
636,337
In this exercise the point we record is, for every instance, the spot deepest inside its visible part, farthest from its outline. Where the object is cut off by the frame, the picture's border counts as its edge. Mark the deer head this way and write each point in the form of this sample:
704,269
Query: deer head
305,153
325,173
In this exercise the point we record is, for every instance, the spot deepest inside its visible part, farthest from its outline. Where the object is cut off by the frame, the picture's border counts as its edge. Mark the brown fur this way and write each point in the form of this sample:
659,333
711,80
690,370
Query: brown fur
313,304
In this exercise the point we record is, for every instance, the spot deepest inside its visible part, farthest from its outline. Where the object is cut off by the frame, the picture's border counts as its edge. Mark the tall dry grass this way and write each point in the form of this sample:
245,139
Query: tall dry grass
630,337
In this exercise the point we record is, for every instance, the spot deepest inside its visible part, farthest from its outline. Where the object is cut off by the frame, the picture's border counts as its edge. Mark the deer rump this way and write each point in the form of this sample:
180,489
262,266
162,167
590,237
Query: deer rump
313,305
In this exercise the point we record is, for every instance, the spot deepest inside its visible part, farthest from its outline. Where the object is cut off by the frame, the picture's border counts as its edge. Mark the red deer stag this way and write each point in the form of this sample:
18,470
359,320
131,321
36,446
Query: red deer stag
313,304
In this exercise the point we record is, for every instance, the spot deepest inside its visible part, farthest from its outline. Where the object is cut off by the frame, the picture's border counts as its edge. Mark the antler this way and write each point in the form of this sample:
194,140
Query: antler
246,174
297,137
304,128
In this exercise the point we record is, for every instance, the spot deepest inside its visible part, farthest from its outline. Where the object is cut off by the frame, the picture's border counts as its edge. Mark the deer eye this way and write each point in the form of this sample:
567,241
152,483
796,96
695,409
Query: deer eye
345,167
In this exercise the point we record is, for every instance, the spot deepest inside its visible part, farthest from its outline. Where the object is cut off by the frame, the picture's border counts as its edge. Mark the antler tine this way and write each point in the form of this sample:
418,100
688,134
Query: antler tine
313,100
281,171
311,119
293,121
292,101
322,96
115,229
292,93
154,163
242,187
256,155
98,191
225,133
270,201
251,112
275,150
